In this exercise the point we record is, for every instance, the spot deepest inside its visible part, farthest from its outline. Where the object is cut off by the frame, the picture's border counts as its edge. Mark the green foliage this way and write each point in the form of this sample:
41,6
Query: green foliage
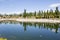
24,14
57,12
35,13
40,14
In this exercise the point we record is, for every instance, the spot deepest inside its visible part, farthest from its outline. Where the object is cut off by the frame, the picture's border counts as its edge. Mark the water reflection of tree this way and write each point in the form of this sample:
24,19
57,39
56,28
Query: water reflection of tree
9,22
40,25
56,27
35,25
47,26
24,25
50,26
29,24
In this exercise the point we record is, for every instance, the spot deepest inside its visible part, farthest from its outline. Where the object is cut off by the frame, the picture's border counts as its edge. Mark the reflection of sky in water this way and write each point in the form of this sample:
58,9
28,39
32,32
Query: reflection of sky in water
29,31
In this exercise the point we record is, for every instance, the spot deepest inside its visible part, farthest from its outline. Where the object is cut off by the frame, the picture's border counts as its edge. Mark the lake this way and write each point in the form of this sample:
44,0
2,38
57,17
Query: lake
12,30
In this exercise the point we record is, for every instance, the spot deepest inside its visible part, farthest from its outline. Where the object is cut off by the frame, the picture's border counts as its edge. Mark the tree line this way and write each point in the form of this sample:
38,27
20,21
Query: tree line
37,15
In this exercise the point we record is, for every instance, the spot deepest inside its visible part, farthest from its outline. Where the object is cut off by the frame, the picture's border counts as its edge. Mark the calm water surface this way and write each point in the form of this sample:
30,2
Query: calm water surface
12,30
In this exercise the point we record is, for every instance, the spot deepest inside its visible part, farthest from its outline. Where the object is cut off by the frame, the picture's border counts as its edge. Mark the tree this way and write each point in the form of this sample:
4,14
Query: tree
30,14
39,14
35,13
51,13
24,14
57,12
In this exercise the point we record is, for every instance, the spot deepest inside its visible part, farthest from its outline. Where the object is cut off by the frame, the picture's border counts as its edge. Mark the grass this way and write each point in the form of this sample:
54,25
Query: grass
3,38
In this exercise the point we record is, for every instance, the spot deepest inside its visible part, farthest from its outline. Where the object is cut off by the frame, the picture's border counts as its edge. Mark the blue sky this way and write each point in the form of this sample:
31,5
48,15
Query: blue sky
8,6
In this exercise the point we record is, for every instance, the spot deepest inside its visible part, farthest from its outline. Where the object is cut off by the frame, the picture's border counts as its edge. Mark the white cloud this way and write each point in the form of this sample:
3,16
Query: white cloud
55,5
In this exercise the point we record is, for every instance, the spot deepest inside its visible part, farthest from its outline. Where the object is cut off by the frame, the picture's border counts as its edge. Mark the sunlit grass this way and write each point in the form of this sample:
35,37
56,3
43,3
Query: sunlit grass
3,38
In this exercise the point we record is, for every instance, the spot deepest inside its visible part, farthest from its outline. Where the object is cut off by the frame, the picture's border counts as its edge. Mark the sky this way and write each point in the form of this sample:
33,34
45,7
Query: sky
17,6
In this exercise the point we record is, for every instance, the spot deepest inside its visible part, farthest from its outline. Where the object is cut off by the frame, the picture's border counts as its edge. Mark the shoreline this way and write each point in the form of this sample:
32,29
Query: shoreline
33,20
